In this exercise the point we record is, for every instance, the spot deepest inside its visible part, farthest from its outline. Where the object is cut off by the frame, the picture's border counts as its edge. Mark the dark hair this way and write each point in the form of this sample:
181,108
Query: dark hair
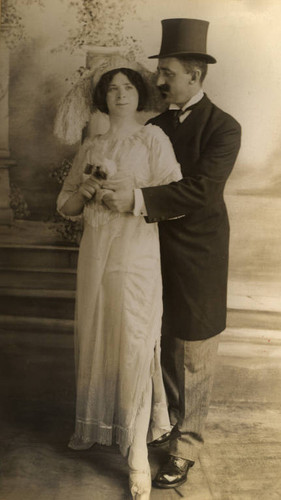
100,92
191,64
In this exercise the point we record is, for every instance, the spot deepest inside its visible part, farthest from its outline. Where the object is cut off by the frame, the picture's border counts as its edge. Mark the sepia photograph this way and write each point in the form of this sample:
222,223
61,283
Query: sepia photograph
140,250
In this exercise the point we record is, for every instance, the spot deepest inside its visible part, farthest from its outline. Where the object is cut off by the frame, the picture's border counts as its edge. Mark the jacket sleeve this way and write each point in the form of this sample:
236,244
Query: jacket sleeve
193,193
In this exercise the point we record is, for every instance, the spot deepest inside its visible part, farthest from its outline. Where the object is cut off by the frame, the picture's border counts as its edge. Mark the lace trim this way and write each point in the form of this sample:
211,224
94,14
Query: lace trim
90,432
96,215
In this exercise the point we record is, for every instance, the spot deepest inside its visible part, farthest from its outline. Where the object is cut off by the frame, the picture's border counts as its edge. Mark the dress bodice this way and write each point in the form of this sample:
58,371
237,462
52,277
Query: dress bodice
145,156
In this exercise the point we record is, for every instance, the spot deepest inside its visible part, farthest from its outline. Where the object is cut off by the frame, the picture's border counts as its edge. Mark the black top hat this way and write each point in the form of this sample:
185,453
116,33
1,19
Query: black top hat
182,37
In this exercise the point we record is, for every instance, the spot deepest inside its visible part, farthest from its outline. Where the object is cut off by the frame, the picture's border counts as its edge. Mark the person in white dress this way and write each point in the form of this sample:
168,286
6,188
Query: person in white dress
120,393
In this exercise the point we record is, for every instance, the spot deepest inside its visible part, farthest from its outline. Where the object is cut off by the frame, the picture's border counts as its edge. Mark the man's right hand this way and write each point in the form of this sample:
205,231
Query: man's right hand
121,200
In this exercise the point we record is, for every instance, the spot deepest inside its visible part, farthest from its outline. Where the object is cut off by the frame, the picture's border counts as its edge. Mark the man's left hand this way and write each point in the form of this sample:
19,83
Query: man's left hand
121,200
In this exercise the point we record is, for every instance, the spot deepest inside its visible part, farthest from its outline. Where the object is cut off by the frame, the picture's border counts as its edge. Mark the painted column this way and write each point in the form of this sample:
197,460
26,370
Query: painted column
6,214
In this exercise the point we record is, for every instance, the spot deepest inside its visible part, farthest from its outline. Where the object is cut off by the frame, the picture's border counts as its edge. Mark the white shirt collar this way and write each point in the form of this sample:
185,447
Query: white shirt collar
196,98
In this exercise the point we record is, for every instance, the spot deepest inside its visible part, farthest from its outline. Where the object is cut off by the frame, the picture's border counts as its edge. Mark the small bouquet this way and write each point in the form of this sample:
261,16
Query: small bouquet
99,169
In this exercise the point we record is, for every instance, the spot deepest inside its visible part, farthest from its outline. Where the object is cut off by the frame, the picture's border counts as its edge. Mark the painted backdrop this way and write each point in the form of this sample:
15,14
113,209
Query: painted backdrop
244,36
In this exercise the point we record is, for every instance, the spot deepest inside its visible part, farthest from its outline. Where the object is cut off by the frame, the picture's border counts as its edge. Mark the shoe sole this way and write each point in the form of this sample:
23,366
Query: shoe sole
164,486
158,445
155,444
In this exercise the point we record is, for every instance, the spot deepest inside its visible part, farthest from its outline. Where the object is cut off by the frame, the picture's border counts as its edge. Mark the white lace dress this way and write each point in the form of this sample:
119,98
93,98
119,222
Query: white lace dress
119,298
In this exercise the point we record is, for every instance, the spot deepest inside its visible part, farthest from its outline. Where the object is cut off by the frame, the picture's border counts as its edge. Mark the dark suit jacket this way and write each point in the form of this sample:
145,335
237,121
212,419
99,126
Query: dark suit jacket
194,248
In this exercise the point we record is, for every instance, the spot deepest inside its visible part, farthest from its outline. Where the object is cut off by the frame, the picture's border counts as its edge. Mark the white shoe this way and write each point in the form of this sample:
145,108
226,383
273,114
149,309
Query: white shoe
140,484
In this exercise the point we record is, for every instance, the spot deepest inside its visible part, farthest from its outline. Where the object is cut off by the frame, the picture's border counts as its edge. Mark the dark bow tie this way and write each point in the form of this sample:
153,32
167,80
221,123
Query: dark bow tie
176,113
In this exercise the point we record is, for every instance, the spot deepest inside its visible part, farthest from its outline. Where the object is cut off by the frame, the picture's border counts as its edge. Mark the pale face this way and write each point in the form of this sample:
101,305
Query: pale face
122,96
175,85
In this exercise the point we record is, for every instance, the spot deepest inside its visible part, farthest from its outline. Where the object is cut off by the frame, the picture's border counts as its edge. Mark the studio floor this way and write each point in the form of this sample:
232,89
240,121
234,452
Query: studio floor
241,459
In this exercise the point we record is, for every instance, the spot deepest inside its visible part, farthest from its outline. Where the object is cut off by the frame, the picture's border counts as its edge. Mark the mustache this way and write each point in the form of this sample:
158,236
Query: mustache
164,88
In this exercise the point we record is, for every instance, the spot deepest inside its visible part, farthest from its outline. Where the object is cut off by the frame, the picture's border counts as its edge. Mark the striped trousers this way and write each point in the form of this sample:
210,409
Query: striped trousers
188,371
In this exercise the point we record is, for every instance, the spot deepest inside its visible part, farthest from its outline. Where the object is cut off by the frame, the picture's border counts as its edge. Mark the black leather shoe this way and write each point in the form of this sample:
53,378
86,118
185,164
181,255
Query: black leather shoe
165,438
173,473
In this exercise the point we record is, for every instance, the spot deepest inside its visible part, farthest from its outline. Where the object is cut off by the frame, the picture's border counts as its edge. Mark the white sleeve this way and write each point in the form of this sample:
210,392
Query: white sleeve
164,165
72,182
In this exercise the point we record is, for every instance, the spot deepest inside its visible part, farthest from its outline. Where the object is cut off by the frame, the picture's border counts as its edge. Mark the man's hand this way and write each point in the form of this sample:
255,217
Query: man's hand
119,182
121,200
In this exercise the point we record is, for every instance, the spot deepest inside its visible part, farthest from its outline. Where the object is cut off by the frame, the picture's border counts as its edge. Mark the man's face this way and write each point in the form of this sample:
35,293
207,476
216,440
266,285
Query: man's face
173,82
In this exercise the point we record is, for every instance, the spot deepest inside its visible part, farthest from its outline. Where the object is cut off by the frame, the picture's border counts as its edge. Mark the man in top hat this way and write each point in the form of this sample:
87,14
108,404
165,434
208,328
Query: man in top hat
194,237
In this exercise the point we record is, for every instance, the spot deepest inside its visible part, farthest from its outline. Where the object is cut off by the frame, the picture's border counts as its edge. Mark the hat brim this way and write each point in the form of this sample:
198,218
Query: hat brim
205,57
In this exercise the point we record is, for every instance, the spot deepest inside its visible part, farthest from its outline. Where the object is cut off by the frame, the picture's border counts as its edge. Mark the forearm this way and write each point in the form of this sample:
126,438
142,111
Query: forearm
203,188
181,198
74,205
